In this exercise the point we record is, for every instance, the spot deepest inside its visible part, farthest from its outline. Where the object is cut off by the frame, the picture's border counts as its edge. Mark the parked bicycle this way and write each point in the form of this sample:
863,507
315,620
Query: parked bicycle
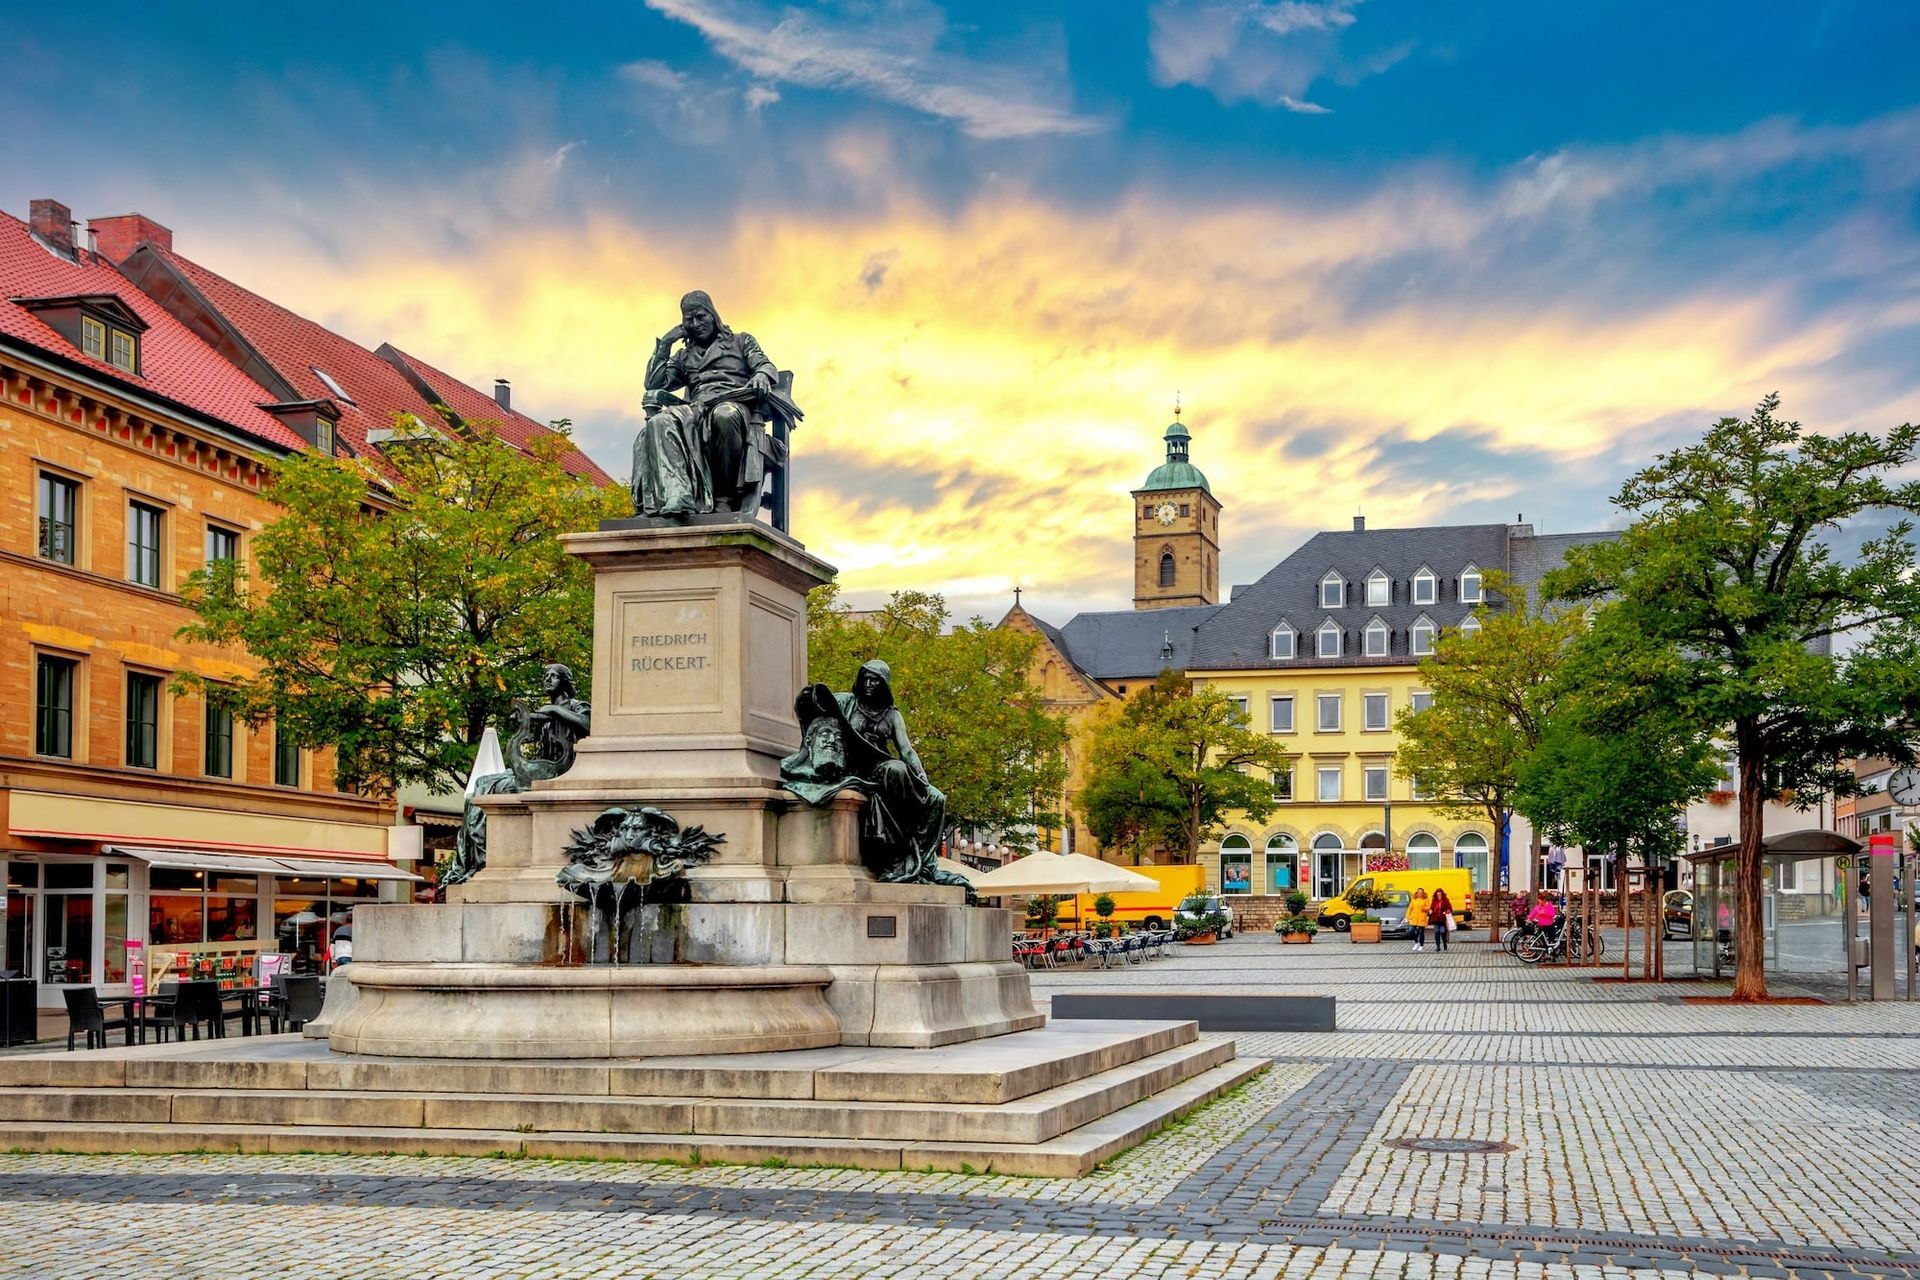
1557,941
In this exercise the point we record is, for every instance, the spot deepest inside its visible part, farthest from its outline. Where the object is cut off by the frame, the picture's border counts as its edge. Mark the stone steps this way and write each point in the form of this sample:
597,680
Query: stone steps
1054,1101
1068,1154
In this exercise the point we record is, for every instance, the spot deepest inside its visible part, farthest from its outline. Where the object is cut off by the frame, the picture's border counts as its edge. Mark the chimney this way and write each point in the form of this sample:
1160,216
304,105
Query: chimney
119,235
53,223
1359,524
503,393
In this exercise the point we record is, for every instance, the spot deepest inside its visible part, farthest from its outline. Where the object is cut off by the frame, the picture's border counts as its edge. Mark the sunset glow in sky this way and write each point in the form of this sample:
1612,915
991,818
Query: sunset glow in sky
1433,263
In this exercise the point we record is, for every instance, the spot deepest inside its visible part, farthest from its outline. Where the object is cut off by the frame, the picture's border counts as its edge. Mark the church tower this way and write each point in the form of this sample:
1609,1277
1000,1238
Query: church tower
1176,531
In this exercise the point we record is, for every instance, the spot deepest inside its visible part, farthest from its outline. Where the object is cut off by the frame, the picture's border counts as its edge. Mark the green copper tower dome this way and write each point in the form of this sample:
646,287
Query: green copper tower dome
1176,472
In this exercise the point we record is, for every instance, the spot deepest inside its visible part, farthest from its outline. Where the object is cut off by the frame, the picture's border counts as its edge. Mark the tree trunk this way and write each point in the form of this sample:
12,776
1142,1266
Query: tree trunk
1750,952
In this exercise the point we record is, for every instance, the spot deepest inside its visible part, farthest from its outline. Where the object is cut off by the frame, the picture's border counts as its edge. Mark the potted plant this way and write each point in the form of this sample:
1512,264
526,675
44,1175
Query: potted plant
1363,928
1103,907
1042,910
1201,930
1296,930
1296,904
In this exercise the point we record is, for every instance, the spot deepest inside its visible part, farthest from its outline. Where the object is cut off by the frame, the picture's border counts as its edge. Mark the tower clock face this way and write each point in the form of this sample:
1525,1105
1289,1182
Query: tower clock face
1166,512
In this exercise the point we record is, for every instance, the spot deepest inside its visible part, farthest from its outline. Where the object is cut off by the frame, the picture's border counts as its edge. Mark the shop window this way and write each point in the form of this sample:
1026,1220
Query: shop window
1236,865
1283,865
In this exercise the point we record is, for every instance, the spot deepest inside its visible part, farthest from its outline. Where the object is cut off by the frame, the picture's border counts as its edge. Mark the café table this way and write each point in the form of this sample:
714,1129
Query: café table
136,1007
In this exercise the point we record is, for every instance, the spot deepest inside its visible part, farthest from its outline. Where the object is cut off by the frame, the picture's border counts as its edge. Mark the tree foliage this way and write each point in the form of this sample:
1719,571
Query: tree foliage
981,729
395,631
1165,767
1727,561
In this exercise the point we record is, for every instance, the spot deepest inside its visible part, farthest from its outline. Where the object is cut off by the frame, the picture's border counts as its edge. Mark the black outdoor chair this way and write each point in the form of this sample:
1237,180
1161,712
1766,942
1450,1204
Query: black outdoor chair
195,1004
299,1003
85,1014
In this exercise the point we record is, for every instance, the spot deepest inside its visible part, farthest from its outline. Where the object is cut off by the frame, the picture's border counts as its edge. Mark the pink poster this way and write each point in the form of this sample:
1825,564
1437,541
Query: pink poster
137,966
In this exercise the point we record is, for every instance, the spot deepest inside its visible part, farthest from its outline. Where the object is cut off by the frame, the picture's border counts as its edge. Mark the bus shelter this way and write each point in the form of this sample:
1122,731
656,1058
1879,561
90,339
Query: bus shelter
1714,930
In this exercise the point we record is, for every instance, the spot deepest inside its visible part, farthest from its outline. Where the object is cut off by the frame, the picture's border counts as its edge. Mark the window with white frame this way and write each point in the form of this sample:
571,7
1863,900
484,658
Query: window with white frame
1419,700
1469,625
1283,783
1423,851
1280,713
1470,851
1280,643
1327,716
1470,585
1333,590
1420,636
1375,778
1239,701
1426,587
1327,639
1373,711
1379,588
1377,637
1327,790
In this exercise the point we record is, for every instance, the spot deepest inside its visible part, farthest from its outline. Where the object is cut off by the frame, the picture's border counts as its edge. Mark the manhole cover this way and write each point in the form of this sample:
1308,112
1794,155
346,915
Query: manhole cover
1453,1146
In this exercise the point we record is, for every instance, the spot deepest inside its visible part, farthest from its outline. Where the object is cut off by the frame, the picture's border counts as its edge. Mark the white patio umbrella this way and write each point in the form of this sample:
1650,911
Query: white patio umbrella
1061,873
487,760
959,869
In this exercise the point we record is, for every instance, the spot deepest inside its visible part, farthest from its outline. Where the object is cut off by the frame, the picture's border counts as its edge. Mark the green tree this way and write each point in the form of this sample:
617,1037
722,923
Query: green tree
1492,696
1621,755
1167,767
977,721
1725,561
395,614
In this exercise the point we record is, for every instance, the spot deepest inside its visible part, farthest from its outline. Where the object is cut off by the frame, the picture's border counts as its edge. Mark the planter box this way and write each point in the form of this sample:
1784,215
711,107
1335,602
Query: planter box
1368,932
1201,940
1296,939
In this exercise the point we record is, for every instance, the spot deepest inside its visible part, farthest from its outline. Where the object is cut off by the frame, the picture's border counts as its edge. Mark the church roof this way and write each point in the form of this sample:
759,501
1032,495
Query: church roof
1176,472
1132,644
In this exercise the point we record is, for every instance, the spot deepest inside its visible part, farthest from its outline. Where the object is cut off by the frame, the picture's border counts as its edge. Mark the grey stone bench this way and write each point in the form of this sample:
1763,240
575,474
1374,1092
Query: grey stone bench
1212,1012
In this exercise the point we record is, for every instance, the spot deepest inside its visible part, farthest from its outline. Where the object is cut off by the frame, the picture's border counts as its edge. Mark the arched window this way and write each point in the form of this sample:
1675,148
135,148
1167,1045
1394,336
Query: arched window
1470,585
1423,851
1379,588
1377,638
1327,639
1283,864
1333,590
1470,851
1166,568
1280,643
1425,586
1236,865
1420,636
1373,840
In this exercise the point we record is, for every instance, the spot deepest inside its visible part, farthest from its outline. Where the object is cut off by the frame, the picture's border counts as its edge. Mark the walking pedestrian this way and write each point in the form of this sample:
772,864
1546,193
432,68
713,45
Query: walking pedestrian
1440,915
1417,912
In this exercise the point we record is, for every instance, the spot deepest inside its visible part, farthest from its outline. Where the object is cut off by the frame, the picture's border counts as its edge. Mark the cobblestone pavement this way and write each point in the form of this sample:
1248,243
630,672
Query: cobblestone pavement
1647,1137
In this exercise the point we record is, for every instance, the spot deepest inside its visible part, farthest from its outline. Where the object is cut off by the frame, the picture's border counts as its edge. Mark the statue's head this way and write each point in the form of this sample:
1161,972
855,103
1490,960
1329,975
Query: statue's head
557,680
874,683
698,317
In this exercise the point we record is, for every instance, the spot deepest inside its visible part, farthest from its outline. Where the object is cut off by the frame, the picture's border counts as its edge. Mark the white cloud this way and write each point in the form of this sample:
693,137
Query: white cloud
654,74
1269,51
760,96
892,55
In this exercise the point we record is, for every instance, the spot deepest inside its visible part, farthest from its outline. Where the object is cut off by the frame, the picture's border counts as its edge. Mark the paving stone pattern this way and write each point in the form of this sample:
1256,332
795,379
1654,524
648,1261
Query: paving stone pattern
1650,1138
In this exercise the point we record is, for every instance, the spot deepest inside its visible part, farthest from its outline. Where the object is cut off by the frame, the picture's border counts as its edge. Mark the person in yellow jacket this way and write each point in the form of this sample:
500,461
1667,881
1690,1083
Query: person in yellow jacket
1417,914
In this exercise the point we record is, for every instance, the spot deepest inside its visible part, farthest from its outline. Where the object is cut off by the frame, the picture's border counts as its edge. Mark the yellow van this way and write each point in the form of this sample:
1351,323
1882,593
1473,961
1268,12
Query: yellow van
1457,881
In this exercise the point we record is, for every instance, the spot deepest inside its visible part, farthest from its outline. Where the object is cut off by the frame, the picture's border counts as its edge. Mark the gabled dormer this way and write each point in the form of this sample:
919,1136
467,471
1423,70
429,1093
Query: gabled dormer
1420,637
97,324
1283,641
1377,640
315,421
1379,588
1333,590
1426,586
1470,586
1328,640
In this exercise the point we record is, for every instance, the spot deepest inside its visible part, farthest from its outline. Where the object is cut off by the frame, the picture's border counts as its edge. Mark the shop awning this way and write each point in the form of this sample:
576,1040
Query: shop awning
255,864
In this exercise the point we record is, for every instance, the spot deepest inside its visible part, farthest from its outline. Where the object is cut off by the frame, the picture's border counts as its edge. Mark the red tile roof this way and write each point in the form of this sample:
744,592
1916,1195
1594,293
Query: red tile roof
299,350
511,425
375,392
174,364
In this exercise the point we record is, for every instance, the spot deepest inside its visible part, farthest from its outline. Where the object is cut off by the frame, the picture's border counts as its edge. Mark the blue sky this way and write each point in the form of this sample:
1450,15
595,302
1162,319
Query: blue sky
1431,262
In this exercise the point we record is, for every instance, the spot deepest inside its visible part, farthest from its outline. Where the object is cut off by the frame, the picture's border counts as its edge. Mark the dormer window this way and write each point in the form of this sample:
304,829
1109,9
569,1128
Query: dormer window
1470,585
99,325
1333,590
1377,636
1426,587
1327,639
1420,637
1379,589
1280,642
323,436
1470,625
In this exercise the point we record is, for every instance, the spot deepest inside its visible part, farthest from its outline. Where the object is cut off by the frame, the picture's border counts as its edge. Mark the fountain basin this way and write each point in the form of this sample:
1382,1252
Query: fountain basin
453,1010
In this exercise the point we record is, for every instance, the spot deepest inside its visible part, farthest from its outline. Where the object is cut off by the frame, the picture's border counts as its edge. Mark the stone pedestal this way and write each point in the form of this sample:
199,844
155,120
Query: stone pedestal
788,941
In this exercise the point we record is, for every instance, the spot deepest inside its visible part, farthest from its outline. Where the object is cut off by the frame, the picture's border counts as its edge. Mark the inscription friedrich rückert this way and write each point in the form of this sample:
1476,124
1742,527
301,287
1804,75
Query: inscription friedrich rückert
670,661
